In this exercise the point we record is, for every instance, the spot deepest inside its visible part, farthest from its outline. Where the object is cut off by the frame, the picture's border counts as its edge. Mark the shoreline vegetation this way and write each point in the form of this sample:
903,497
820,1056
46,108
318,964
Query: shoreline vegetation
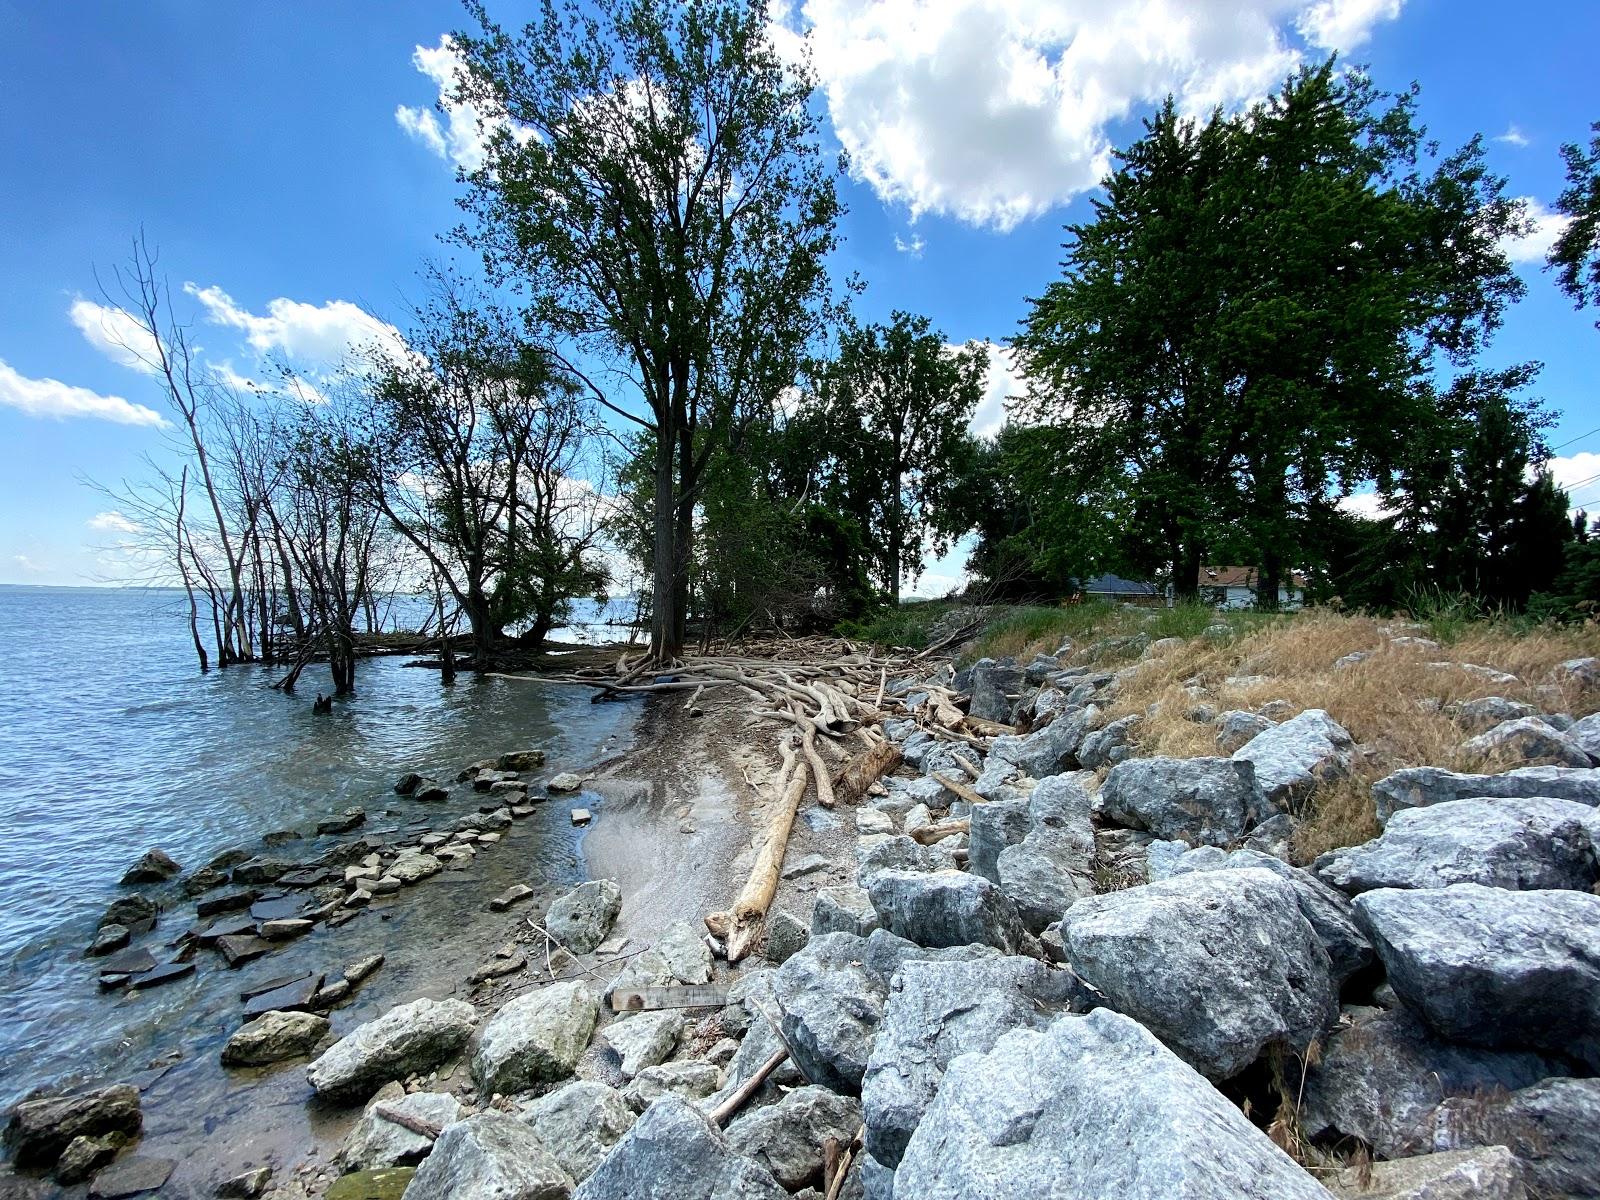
899,835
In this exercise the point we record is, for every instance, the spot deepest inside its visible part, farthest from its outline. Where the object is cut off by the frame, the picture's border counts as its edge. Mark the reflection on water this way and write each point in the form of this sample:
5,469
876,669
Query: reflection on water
111,743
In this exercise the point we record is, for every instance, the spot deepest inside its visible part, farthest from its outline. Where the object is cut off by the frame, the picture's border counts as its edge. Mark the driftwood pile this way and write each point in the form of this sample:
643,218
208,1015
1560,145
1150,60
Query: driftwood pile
829,696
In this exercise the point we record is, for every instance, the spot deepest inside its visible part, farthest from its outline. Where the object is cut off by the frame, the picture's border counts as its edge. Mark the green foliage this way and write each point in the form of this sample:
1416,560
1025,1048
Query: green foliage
1574,595
1575,257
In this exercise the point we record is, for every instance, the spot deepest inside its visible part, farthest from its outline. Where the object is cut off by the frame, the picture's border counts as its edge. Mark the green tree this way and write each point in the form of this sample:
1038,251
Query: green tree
895,405
1575,257
655,187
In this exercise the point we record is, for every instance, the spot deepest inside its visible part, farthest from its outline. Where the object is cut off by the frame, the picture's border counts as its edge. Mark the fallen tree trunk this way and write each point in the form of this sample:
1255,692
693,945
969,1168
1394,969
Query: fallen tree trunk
851,784
929,834
744,920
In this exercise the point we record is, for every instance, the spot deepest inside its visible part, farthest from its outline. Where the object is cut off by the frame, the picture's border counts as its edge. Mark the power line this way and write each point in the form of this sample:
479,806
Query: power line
1579,438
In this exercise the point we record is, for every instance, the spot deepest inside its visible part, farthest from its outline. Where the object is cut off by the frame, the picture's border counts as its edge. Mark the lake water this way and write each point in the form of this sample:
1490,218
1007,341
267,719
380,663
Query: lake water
112,742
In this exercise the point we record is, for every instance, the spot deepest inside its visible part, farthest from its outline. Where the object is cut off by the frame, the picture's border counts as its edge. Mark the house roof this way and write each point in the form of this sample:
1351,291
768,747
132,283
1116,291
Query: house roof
1241,577
1115,585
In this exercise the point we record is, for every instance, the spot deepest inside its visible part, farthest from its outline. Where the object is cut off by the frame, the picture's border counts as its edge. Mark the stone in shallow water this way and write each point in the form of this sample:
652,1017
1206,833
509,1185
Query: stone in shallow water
130,1176
165,973
413,1037
384,1183
241,948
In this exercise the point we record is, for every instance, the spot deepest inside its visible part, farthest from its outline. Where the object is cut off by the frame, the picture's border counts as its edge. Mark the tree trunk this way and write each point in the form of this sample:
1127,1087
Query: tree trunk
1186,572
664,641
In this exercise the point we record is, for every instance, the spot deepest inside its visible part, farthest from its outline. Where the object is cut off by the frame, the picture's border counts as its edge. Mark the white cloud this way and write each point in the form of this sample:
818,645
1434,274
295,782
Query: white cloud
1578,474
116,333
1364,504
931,585
1547,227
112,522
54,399
27,564
1003,382
1513,137
463,138
912,248
995,111
320,336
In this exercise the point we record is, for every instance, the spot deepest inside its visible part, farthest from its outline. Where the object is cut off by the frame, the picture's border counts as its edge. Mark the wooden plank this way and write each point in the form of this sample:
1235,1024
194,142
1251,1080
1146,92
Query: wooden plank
702,995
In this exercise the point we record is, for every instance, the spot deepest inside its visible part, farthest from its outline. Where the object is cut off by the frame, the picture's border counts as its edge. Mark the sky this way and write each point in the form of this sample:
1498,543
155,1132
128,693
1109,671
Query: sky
291,165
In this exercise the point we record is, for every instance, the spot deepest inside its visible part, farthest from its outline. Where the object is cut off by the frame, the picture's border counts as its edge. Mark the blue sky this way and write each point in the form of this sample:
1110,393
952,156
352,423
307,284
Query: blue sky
285,160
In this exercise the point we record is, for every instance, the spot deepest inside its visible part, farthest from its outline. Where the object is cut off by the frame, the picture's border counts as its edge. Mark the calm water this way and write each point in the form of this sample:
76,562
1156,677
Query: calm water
111,742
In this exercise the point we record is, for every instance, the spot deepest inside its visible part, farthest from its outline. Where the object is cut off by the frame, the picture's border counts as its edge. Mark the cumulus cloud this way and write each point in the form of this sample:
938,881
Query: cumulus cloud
1513,137
313,335
912,247
995,111
1364,504
112,522
116,333
27,564
463,137
1003,382
56,400
1536,246
931,585
1578,474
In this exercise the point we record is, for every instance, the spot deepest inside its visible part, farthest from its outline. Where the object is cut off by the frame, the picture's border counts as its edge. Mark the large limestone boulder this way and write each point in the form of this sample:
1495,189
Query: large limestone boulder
1049,750
1494,968
408,1039
39,1130
536,1038
1092,1106
1291,759
831,1003
936,1012
787,1137
994,683
1109,745
693,1079
1553,1128
1486,712
1380,1079
1520,844
1492,1173
644,1040
579,1122
843,909
994,826
1586,732
274,1037
1209,800
902,854
1237,726
674,1152
1053,865
947,908
1418,787
1526,740
492,1156
582,918
1218,964
377,1141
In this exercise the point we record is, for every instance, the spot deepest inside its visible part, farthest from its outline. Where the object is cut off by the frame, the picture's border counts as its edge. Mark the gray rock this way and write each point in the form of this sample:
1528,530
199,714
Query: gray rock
1552,1127
492,1156
1380,1079
566,781
1494,968
786,1138
1110,745
39,1130
1040,669
1491,1173
902,854
1053,865
1418,787
1586,732
993,683
684,950
831,1003
246,1185
936,1012
673,1152
1584,671
1210,800
995,826
947,908
154,866
411,868
1094,1106
1291,759
536,1038
408,1039
1526,740
693,1079
1051,749
1273,836
885,953
377,1141
579,1122
1236,727
786,934
1218,964
86,1155
1486,712
845,909
109,938
274,1037
644,1040
134,912
1523,845
806,864
130,1175
582,918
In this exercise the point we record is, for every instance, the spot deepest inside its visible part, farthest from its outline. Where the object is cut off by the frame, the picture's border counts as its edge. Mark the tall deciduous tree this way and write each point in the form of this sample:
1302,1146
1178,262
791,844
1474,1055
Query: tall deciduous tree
655,185
1575,256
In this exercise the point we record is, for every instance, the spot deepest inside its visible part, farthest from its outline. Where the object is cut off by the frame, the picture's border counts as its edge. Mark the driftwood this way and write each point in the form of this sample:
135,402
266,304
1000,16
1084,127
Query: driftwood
724,1112
833,1174
987,728
741,925
960,789
864,770
405,1120
819,772
929,834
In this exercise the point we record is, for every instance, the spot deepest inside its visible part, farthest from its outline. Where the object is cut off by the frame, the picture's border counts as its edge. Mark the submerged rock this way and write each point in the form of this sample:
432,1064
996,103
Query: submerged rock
673,1152
154,866
491,1156
1092,1106
410,1038
1494,968
274,1037
1218,964
39,1130
536,1038
130,1176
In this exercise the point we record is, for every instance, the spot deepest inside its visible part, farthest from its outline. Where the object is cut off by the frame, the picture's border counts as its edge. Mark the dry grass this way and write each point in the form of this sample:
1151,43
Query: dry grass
1391,702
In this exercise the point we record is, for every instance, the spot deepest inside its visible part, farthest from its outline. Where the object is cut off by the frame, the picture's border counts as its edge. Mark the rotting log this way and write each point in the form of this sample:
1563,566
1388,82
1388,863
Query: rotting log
741,925
861,772
927,835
